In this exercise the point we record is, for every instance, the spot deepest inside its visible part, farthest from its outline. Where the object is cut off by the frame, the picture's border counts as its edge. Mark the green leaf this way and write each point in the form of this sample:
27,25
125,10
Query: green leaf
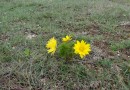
27,52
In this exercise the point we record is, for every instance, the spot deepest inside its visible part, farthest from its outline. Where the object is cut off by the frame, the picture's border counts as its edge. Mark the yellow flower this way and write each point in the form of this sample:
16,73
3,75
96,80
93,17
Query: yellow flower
51,45
67,38
82,48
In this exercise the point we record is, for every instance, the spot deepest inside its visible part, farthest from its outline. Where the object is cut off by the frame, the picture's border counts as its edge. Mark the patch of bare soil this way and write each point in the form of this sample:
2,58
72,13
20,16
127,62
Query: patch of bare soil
93,29
8,81
124,53
104,46
95,85
4,37
124,26
96,54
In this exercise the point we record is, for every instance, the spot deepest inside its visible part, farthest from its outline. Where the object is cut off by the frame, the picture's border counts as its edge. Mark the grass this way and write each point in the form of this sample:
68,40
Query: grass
25,64
120,45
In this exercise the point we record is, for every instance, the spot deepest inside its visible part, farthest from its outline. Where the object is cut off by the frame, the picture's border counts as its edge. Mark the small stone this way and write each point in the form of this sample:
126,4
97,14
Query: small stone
125,23
30,36
13,47
118,54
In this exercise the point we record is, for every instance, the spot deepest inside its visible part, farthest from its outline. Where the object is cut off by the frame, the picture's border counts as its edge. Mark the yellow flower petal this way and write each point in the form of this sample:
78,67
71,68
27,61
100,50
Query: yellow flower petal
51,45
82,48
67,38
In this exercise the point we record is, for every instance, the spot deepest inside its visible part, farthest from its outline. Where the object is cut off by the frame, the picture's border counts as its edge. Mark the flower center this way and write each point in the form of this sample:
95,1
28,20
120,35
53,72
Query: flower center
81,48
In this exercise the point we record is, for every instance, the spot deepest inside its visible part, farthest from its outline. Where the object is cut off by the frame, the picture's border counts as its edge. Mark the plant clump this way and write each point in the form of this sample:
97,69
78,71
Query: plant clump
68,48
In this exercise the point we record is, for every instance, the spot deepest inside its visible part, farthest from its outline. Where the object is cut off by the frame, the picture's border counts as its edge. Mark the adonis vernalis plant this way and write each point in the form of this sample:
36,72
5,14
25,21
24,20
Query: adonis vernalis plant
68,47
